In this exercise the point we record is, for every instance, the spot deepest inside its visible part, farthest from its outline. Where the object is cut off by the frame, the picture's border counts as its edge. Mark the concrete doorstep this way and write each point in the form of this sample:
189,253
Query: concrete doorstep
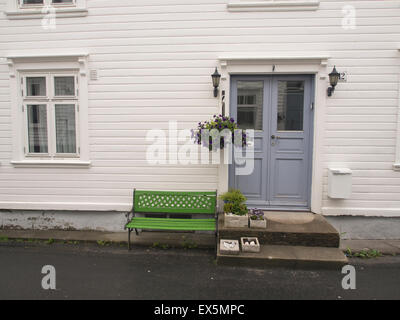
287,256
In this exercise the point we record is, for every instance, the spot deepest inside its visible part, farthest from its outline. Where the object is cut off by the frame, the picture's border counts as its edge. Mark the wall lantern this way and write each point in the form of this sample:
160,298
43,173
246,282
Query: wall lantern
216,77
334,77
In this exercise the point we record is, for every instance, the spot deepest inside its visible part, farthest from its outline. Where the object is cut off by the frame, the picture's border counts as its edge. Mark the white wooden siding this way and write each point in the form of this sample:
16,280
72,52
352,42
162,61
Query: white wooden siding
154,60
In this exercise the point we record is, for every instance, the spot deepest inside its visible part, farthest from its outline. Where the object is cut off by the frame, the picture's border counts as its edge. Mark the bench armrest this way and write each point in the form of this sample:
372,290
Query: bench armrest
128,218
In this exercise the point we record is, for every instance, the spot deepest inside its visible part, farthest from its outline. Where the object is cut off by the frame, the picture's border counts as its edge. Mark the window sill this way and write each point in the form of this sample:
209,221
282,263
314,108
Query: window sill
396,166
304,5
51,163
38,14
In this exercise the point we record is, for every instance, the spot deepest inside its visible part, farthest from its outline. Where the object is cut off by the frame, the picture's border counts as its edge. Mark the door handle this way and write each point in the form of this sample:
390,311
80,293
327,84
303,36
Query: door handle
275,137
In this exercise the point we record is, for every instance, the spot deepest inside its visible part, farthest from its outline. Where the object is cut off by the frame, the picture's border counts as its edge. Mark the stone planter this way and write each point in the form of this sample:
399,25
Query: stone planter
235,221
258,224
246,244
229,247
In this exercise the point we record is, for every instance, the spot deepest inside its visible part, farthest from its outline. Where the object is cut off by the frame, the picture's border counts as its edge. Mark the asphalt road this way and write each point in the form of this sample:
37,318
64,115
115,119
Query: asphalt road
90,271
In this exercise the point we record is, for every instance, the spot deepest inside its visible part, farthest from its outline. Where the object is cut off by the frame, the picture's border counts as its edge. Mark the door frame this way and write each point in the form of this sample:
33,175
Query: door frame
268,109
314,63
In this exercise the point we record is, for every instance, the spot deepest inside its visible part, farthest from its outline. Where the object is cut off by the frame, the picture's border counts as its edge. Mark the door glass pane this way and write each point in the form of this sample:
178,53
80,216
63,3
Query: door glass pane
64,86
65,128
36,86
250,104
290,105
37,128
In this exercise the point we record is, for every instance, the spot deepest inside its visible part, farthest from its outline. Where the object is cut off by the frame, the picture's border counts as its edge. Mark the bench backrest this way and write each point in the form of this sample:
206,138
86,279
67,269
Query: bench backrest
174,202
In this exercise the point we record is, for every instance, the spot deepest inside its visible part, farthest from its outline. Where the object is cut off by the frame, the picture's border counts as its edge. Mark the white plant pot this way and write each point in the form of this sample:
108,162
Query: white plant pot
258,224
235,221
248,247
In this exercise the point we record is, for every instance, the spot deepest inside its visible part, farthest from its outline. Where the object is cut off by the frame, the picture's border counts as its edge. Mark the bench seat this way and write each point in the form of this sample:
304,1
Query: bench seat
172,224
161,205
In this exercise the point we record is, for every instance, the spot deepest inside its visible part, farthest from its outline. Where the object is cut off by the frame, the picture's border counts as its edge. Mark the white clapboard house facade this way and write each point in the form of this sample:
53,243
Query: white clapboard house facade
83,81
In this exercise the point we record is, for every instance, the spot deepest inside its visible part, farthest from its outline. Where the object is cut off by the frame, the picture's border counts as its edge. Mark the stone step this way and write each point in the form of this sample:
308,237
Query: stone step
286,256
311,230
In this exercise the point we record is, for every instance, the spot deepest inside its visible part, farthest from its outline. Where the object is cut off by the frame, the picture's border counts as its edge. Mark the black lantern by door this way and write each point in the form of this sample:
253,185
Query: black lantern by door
216,77
334,77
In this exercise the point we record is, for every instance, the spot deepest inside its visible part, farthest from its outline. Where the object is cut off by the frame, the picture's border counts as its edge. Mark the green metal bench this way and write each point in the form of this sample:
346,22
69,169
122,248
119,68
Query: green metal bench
176,203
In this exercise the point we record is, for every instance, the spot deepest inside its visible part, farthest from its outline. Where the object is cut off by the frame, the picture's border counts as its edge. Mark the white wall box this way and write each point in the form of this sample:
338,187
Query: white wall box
339,183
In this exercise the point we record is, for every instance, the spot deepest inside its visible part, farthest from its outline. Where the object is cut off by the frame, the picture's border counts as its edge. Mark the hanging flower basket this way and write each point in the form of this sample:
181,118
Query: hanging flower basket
221,124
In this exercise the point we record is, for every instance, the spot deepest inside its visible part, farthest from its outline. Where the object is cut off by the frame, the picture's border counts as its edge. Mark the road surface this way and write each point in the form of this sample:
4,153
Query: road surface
92,271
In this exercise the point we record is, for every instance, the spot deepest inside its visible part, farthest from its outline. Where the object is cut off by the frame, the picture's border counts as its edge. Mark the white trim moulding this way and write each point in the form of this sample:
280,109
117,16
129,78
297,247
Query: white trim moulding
51,163
272,5
33,55
396,165
38,14
277,56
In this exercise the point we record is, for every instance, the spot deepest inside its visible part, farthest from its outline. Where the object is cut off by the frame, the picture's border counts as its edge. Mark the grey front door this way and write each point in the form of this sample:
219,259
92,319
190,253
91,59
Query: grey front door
279,109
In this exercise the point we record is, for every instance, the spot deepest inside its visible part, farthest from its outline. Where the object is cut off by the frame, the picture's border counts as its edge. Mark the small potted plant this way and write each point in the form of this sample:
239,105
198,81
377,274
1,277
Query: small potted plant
257,219
235,209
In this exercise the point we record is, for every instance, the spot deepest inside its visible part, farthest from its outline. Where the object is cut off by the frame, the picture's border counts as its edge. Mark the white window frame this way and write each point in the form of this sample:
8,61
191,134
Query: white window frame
24,91
26,135
22,66
50,100
16,9
23,5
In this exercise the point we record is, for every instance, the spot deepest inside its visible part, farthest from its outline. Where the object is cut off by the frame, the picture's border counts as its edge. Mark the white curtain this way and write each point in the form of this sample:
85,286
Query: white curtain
65,128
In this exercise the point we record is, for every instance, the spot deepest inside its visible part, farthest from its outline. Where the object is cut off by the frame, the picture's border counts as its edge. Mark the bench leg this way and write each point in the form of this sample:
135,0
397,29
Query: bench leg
137,233
216,237
129,238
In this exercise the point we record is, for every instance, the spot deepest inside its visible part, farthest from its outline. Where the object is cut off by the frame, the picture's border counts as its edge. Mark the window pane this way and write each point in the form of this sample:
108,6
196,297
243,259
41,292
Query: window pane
65,128
64,86
62,1
290,105
36,86
250,104
32,1
37,128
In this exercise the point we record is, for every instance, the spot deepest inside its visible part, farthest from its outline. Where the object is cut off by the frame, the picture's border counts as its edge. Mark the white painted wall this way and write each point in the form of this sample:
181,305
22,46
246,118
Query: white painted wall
154,60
